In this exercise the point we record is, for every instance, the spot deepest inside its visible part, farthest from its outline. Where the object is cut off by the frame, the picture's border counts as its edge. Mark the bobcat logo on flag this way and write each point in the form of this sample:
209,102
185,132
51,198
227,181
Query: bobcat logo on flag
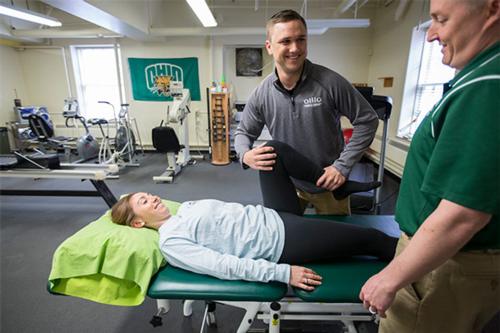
162,86
159,76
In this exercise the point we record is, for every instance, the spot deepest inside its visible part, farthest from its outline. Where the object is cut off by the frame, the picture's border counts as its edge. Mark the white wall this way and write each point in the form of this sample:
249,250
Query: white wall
45,77
12,84
346,51
390,44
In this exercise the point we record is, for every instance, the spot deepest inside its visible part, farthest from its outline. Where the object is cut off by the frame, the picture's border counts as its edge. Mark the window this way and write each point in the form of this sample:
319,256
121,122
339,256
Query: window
425,77
97,79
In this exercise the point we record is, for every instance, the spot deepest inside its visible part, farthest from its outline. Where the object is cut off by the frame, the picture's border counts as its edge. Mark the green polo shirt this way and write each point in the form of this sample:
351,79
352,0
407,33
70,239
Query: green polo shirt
454,154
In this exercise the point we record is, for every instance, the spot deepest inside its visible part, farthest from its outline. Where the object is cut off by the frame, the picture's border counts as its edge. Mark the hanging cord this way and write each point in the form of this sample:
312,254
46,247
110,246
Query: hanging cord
260,69
150,20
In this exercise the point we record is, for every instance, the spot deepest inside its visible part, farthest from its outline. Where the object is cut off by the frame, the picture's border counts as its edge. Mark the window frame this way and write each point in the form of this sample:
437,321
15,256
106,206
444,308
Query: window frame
411,85
78,79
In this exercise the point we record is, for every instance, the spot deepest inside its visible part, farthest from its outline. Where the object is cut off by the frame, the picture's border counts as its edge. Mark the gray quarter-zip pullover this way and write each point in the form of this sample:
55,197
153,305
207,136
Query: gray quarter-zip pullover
308,119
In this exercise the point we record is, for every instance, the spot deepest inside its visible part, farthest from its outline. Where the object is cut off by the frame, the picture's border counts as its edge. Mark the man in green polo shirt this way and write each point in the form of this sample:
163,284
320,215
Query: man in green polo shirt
446,274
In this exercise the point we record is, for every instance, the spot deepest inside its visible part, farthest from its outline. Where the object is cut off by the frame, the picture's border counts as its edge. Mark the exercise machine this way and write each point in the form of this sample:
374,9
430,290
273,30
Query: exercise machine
383,107
125,138
95,174
40,127
87,146
124,142
38,136
178,155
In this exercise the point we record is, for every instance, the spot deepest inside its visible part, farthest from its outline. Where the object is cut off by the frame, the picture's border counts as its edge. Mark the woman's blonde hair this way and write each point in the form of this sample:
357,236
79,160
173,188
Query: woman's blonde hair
122,212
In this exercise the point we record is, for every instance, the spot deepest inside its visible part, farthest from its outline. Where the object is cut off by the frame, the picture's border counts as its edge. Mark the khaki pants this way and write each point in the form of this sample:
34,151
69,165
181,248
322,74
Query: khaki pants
460,296
324,203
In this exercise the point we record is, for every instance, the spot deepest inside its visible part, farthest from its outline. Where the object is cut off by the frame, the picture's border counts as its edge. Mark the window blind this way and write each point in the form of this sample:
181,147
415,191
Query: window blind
432,75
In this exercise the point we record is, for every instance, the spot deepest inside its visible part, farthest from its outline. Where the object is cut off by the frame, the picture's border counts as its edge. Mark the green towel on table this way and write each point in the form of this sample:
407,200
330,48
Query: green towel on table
107,263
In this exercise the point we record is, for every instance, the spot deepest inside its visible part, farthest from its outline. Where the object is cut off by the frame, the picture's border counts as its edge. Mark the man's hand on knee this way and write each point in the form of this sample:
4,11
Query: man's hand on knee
260,158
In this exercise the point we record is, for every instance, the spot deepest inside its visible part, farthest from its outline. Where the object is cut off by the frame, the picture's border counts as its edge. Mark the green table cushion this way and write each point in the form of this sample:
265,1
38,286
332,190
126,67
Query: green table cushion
107,263
175,283
342,279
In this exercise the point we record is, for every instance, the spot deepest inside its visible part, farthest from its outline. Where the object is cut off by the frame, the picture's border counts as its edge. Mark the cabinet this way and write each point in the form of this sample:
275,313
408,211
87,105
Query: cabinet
219,128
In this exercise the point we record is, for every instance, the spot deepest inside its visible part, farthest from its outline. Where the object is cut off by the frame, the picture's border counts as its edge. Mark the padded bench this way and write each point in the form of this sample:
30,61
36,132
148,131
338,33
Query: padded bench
336,299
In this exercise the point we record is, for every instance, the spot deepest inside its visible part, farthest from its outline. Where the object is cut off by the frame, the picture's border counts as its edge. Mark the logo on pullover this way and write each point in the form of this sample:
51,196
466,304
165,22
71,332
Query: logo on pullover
312,101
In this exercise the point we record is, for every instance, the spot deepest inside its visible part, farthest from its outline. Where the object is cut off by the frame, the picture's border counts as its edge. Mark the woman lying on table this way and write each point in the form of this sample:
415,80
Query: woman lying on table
256,243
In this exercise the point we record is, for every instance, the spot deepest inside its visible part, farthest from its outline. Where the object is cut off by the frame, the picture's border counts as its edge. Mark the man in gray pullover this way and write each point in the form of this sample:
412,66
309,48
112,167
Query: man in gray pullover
301,103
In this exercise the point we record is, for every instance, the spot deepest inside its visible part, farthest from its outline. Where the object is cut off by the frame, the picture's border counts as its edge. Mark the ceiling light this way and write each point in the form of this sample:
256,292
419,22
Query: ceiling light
204,14
28,15
338,23
316,31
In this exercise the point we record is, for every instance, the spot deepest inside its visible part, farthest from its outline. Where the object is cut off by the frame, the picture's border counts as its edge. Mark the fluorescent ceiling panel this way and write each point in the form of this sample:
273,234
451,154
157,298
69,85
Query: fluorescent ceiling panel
200,8
28,15
338,23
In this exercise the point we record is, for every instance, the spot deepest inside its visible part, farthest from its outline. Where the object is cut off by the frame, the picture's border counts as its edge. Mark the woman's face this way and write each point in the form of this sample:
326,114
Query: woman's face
148,207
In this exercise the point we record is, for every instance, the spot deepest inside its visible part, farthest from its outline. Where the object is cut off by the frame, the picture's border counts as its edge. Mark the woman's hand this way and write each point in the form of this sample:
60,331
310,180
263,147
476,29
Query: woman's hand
304,278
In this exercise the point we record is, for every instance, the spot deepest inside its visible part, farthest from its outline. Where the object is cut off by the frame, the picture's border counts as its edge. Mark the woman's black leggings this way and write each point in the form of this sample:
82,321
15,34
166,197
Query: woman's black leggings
309,239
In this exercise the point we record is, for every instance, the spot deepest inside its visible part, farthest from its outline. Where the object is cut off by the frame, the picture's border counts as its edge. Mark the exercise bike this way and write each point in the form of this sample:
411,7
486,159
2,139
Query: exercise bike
87,146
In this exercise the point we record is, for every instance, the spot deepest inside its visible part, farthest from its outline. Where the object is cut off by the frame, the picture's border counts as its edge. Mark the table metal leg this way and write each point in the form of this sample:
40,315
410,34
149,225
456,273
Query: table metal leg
104,191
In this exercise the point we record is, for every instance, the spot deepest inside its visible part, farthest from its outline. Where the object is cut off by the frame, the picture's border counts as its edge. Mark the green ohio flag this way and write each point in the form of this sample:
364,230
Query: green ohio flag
151,77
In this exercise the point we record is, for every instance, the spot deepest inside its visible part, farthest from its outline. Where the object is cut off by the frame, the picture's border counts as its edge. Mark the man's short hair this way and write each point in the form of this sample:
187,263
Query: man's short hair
285,15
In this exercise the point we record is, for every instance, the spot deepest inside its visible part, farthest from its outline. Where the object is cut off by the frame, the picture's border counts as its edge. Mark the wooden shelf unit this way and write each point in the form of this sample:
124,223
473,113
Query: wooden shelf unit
219,128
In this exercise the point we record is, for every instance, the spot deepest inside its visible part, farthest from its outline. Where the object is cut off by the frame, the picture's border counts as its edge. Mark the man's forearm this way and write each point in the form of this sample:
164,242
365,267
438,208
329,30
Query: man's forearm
439,238
242,144
363,135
